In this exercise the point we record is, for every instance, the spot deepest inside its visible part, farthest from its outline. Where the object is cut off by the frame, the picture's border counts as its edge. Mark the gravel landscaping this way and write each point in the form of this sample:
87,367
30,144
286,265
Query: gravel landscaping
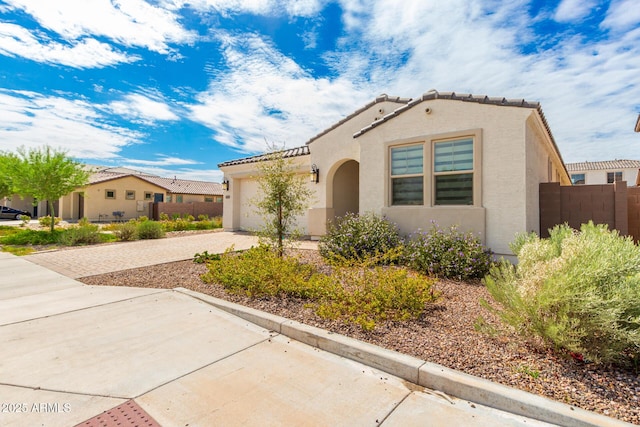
456,332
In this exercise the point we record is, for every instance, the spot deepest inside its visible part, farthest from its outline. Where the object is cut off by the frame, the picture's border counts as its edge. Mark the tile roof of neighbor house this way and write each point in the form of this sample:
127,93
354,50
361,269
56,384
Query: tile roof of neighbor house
638,124
603,165
172,185
291,152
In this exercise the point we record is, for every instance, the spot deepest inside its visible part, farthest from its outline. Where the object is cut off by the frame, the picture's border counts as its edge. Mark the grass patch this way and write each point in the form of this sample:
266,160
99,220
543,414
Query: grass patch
17,250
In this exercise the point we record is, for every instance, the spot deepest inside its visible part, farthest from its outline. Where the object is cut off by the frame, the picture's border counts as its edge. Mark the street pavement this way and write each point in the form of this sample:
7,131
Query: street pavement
73,354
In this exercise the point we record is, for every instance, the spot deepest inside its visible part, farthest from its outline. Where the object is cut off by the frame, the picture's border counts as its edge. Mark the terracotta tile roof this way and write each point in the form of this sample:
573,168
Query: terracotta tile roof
291,152
172,185
185,186
382,98
604,165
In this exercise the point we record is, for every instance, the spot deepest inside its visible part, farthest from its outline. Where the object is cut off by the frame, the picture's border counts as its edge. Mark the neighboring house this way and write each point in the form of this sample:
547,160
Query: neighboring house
121,193
604,172
452,159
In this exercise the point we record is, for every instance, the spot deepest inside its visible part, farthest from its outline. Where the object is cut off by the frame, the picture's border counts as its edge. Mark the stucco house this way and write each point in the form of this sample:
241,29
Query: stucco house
456,159
604,172
120,193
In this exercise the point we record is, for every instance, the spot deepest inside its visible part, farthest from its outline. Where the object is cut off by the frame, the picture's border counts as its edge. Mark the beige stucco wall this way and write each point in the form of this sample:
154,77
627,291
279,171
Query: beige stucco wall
97,207
543,165
501,209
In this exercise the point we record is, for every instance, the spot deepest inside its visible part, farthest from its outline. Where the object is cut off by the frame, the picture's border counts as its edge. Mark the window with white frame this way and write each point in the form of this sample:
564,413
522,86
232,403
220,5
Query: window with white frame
130,195
453,172
407,175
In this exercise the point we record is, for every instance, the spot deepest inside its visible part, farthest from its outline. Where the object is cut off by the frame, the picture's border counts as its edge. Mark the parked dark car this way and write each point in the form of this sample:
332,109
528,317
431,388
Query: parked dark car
10,213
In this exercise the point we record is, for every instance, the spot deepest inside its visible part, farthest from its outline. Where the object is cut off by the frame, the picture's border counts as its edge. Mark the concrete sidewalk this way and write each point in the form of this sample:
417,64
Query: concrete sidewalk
69,352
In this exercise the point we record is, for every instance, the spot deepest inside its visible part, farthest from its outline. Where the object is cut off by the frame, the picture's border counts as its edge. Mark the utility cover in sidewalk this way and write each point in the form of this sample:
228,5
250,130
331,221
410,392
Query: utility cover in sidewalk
129,414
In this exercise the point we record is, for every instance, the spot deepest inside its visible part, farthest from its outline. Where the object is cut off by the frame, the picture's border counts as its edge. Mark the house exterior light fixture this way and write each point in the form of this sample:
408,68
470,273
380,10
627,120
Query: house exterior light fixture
314,174
225,185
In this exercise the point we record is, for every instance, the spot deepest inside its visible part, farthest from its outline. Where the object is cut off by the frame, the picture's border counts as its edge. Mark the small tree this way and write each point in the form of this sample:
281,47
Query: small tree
45,174
284,195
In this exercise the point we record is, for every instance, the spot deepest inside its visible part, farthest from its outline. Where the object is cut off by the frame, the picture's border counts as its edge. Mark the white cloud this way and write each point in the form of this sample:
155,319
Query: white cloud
164,161
574,10
141,108
292,8
17,41
133,23
267,96
211,175
33,120
622,15
589,89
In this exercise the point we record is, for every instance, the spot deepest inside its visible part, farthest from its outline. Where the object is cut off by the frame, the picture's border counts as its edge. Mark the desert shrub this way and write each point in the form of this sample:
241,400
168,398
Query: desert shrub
142,218
447,253
164,216
150,230
127,231
203,217
31,237
180,224
578,291
356,294
257,272
80,235
358,237
45,221
368,296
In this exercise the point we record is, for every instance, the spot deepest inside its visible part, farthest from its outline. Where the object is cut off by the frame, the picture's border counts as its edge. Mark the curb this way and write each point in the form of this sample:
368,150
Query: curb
417,371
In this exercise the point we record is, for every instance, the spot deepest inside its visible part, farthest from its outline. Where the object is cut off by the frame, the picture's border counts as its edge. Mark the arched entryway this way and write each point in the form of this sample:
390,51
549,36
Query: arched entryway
346,188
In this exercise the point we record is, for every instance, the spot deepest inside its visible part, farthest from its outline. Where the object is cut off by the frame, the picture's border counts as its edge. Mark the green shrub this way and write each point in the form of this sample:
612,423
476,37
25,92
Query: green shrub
150,230
127,231
356,294
368,296
578,291
45,221
31,237
80,235
257,272
449,253
354,237
164,216
203,217
204,257
142,218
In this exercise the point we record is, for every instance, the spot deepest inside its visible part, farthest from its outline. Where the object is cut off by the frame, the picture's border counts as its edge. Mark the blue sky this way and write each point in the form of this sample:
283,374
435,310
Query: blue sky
174,87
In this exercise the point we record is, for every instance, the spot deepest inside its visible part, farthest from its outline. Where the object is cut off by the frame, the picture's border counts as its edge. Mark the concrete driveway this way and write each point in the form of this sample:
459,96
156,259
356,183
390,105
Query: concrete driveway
72,354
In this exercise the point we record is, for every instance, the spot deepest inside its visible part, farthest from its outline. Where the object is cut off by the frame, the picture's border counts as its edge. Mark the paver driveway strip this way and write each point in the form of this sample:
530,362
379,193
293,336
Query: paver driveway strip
100,259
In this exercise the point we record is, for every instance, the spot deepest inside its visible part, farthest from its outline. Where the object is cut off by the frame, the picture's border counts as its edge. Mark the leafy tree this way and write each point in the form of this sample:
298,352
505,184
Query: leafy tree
6,187
284,195
45,174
